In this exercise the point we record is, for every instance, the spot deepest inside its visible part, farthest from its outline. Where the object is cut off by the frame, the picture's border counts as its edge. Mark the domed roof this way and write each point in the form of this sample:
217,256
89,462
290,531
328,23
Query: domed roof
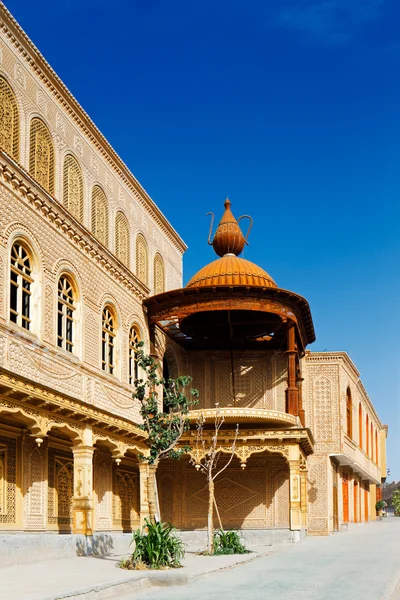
231,270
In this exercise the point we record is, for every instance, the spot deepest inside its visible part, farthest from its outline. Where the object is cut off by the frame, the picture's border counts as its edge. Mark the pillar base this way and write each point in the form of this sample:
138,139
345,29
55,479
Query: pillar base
82,516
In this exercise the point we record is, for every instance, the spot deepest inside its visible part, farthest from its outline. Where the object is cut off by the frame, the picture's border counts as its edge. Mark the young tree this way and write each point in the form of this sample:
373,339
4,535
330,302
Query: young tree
205,459
164,429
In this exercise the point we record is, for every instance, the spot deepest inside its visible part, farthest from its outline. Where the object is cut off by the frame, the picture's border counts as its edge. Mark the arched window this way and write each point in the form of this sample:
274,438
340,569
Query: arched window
349,413
73,187
9,120
376,447
134,338
159,286
367,435
66,305
20,286
122,238
360,426
100,215
41,155
108,341
141,259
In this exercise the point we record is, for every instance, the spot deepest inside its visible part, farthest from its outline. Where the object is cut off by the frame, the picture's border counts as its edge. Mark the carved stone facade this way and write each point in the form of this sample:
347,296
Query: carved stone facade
70,447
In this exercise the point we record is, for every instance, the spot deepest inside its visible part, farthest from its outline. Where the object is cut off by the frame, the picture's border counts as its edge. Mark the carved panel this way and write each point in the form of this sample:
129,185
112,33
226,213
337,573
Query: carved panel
60,490
323,409
126,499
48,315
35,485
8,480
9,120
103,490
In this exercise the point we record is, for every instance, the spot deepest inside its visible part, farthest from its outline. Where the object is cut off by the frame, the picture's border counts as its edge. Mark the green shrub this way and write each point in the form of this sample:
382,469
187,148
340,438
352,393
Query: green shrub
228,542
380,505
157,546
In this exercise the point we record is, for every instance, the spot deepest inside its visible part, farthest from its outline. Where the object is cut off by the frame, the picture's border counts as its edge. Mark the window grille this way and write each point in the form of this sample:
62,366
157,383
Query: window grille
134,338
20,286
159,286
122,238
141,259
100,215
73,187
41,155
108,341
9,120
65,314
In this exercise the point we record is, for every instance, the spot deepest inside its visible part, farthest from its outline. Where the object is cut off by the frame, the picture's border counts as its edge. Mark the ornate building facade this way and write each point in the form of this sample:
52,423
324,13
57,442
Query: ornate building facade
88,266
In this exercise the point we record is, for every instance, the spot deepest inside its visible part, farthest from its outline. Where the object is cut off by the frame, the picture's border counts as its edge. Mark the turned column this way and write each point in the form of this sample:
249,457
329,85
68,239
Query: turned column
303,497
295,489
82,505
292,392
143,490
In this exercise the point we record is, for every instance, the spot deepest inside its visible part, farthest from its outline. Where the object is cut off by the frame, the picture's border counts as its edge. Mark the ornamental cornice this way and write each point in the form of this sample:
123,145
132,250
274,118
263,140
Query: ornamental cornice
36,398
42,69
50,209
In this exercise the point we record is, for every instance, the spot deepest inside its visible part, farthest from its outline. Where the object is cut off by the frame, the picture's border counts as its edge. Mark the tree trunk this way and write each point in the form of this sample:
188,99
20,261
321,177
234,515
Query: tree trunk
151,492
210,519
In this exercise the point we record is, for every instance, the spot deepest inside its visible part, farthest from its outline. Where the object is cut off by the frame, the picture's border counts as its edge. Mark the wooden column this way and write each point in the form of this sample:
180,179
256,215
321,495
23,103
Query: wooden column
292,392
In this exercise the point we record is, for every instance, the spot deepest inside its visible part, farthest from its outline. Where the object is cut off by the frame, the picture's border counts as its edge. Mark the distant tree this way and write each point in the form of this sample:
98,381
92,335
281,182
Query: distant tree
164,429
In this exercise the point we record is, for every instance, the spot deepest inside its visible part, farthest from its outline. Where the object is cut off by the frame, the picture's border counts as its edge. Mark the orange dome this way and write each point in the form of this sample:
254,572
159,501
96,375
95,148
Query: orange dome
231,270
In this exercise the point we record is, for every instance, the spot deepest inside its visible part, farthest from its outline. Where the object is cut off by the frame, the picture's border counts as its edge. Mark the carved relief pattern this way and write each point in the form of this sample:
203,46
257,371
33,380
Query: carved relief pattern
322,407
100,215
281,499
141,259
122,238
159,277
317,497
126,505
9,121
35,484
60,488
8,480
103,489
244,497
48,316
91,340
41,155
73,187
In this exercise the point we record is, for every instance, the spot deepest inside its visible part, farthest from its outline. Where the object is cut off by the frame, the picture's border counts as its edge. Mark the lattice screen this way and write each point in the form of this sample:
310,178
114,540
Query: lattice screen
9,120
159,277
142,260
73,187
100,215
122,238
41,155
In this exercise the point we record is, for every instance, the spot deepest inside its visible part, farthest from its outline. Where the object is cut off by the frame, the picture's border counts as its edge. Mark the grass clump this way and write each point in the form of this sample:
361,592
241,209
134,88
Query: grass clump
228,542
156,547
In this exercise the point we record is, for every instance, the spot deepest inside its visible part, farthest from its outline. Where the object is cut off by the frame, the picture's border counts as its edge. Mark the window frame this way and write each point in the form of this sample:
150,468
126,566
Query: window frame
108,340
66,316
20,310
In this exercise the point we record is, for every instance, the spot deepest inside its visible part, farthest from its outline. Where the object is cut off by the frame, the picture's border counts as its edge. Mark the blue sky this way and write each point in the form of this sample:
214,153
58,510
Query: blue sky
291,109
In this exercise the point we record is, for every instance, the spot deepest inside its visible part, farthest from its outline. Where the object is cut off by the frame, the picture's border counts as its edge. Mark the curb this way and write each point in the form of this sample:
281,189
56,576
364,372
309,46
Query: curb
117,589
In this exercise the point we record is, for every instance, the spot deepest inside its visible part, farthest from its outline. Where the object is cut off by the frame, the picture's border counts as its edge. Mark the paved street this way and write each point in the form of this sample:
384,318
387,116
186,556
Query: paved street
361,563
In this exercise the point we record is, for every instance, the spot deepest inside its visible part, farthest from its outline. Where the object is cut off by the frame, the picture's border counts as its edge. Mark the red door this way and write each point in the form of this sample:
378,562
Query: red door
355,502
366,511
345,489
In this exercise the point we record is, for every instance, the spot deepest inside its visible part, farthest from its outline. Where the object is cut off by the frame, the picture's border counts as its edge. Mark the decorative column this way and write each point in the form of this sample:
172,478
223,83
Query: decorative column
143,489
292,392
83,485
295,489
303,495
